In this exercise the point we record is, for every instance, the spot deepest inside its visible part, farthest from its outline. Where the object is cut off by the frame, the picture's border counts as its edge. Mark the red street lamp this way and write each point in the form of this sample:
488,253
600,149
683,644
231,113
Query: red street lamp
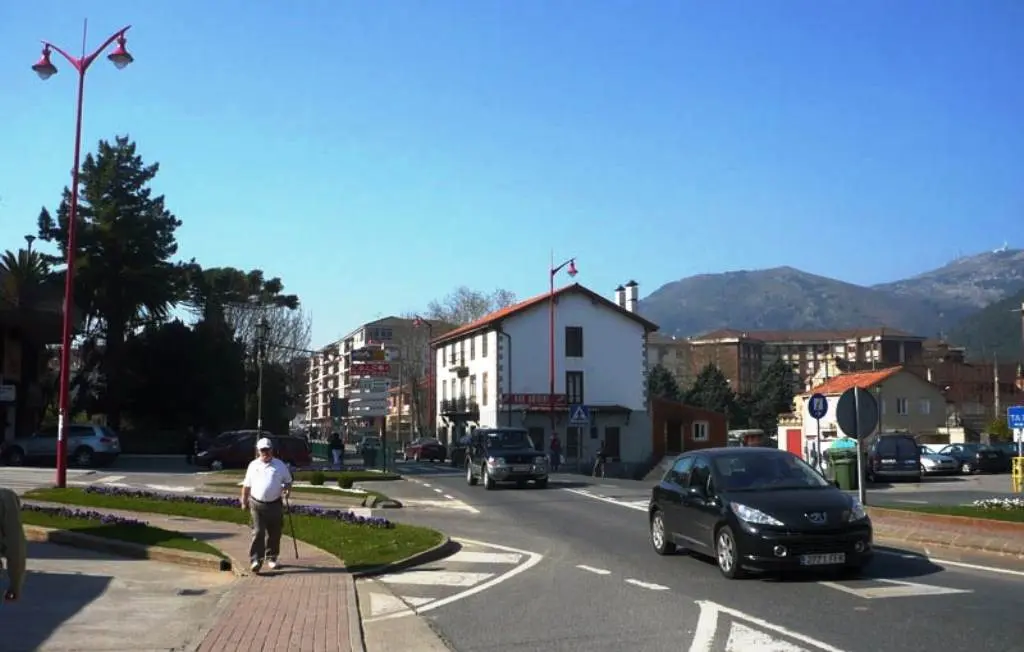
571,264
419,322
45,69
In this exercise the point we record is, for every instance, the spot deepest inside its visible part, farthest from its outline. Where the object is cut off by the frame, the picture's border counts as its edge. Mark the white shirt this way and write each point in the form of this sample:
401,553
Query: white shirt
265,480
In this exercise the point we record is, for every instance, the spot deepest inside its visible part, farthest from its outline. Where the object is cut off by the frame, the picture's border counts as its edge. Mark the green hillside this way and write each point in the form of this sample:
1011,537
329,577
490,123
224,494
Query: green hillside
995,330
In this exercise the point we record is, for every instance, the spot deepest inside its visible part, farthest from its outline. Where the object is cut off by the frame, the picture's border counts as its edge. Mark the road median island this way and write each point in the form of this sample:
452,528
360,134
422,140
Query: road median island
118,535
353,497
363,542
992,526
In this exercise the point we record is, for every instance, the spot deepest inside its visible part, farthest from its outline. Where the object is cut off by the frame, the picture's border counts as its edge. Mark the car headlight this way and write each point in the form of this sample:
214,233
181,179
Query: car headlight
753,516
540,460
857,511
496,461
927,461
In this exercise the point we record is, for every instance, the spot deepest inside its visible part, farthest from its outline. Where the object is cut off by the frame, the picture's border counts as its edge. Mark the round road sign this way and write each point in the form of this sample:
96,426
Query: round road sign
817,406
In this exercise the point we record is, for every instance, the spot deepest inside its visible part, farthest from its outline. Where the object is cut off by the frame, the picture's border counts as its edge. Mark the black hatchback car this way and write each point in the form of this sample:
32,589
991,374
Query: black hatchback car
758,509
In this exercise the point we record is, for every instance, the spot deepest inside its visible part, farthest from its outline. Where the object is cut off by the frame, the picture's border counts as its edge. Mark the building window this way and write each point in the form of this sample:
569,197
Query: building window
483,345
483,388
472,388
472,348
926,406
612,445
699,430
444,356
444,390
462,353
902,407
574,341
462,388
574,387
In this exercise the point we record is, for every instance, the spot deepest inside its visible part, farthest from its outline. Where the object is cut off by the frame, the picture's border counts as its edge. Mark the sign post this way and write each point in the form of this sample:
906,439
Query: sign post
857,416
817,407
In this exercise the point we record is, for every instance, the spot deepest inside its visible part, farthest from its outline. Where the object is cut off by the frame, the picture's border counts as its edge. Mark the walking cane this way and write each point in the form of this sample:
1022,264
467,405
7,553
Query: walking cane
291,524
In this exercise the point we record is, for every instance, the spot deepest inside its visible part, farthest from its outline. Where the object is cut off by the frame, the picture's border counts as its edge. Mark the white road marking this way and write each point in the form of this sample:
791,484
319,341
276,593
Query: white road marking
533,559
591,569
647,585
436,578
956,564
111,479
742,631
425,484
444,504
170,488
913,502
583,492
471,557
897,589
438,490
449,497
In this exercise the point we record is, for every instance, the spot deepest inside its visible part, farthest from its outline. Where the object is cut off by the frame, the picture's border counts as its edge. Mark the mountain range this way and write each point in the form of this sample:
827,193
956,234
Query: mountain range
941,301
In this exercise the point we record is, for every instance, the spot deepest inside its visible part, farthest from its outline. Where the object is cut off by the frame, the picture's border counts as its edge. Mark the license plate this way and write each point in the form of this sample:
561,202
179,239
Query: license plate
823,560
888,460
520,469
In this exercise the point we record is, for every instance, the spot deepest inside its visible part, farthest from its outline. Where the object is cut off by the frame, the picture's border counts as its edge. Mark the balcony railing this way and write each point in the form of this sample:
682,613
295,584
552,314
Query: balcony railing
460,407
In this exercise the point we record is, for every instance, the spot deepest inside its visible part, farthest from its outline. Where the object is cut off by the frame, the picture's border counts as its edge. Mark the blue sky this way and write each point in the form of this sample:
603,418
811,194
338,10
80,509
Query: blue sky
375,155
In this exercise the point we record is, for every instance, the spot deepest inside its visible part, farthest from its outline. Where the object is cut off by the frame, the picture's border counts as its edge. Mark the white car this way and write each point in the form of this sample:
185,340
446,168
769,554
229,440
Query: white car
935,464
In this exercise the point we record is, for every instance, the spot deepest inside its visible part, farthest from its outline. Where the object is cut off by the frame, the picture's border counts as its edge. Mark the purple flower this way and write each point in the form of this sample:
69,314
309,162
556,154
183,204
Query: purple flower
342,515
85,514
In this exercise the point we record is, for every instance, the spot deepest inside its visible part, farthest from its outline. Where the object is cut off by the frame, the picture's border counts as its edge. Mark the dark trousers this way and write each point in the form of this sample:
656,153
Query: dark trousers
267,524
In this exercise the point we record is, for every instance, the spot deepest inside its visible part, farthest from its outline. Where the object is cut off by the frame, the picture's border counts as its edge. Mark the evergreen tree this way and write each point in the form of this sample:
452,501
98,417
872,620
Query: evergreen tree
662,384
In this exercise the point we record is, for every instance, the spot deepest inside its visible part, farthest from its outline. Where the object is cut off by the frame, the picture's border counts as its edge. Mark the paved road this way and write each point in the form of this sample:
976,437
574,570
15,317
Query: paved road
79,600
600,586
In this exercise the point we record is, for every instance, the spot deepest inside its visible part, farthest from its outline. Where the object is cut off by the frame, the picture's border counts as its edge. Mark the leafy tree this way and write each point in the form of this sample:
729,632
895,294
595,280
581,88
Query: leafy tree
465,305
711,391
772,396
124,277
662,384
999,430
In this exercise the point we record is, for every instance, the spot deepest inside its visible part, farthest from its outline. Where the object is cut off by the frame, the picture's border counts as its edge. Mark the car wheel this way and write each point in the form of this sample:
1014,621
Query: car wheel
659,537
470,478
416,457
15,457
542,484
83,457
727,553
405,457
216,465
966,468
488,480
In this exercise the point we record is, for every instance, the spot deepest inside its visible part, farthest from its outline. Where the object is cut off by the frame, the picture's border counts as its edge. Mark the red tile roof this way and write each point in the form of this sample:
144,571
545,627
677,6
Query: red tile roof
862,379
498,315
806,336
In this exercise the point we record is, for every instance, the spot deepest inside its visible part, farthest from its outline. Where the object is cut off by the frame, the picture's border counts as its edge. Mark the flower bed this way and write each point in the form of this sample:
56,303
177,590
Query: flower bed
1012,504
343,515
84,515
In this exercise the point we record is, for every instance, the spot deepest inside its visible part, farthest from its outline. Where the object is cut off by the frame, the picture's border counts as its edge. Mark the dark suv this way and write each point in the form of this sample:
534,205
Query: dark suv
893,455
504,455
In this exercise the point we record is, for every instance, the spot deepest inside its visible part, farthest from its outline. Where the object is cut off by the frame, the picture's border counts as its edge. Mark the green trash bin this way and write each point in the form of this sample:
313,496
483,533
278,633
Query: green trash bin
843,468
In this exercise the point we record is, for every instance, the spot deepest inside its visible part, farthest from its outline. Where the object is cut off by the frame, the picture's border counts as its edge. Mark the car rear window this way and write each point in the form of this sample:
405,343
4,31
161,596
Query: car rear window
899,447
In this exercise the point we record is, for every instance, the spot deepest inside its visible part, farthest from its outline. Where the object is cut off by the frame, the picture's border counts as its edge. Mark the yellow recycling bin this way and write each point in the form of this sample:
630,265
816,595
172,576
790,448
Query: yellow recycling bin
1018,475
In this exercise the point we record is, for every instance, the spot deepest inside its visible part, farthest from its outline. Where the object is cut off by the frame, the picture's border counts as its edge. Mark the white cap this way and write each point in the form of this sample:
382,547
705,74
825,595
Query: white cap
264,443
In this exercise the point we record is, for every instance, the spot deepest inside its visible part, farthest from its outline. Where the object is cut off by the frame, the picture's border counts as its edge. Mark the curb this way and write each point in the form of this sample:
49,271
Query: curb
943,549
954,533
197,560
444,549
380,502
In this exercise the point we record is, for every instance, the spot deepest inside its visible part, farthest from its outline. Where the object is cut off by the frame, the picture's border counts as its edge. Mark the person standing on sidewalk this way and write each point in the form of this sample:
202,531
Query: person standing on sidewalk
12,546
556,452
267,482
337,449
602,458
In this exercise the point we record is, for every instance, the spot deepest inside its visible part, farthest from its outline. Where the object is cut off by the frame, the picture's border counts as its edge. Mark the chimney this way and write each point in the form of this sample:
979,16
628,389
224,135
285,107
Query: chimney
620,297
632,296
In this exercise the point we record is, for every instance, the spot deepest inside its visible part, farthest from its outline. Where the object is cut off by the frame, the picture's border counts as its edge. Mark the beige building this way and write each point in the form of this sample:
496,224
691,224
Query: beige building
676,355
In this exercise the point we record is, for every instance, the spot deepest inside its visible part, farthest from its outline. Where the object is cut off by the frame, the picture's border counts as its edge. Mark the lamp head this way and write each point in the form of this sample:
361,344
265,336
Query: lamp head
44,67
120,57
572,268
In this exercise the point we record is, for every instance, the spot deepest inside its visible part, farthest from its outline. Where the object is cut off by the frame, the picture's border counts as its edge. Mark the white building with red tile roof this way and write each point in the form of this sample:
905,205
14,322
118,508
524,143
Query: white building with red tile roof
495,372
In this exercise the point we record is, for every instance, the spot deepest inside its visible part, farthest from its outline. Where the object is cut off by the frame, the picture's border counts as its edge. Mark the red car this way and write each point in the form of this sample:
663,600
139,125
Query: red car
426,449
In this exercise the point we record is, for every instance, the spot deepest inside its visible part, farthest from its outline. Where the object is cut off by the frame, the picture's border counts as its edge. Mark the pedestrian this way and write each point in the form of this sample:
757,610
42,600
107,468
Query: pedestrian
599,463
337,449
12,547
267,483
556,452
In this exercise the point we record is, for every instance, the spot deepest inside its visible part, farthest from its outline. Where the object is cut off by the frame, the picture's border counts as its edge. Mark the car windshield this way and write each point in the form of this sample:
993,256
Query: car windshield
509,440
766,472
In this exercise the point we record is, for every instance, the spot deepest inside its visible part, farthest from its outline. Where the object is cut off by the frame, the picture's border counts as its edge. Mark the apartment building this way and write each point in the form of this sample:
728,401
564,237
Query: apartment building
675,354
978,392
495,372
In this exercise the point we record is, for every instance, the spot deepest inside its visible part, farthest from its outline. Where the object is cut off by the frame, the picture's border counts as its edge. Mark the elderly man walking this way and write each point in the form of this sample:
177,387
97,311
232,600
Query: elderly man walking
266,484
12,546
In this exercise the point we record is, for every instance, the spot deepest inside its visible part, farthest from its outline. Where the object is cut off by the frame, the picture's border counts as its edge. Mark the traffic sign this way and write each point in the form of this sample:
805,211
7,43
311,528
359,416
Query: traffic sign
817,406
1015,416
579,415
857,413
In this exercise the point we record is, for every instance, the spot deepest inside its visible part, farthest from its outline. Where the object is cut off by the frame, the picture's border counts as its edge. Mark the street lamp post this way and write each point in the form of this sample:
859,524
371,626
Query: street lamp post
262,332
417,323
571,264
45,69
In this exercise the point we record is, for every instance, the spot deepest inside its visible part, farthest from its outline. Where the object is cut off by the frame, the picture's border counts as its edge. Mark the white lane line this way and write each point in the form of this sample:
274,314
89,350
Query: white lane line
647,585
425,484
449,497
913,502
591,569
111,479
470,557
438,490
583,492
956,564
170,488
534,558
436,578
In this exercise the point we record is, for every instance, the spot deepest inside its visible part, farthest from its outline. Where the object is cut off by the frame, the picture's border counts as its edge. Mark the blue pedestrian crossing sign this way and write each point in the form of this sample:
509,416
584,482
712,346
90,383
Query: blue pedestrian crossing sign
579,415
1015,417
817,406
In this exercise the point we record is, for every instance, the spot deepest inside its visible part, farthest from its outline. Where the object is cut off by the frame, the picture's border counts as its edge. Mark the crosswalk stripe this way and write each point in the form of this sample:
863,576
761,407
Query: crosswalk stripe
436,578
467,556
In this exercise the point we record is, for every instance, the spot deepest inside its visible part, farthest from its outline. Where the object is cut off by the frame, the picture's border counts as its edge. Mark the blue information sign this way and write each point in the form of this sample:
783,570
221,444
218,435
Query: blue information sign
817,406
1015,417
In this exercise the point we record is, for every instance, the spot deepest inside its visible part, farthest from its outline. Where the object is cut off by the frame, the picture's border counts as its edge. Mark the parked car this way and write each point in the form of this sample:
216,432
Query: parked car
504,455
935,464
893,455
457,452
88,445
1008,447
235,449
368,443
425,448
978,458
758,509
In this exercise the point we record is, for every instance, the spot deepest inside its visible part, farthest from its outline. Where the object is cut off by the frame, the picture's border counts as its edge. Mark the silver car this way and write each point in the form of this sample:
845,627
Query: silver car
935,464
88,445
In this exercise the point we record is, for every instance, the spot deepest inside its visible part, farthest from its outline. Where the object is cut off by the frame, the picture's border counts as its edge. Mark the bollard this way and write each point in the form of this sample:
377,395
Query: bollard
1017,475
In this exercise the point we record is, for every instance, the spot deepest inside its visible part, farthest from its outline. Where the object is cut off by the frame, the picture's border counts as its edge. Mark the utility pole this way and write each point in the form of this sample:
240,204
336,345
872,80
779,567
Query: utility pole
986,439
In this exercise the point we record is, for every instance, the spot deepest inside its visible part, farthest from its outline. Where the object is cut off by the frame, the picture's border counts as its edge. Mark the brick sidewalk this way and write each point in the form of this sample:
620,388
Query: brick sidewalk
308,605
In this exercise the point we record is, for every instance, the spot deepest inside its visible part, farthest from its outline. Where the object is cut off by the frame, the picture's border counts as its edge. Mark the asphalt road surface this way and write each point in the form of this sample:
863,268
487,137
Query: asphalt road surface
599,586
